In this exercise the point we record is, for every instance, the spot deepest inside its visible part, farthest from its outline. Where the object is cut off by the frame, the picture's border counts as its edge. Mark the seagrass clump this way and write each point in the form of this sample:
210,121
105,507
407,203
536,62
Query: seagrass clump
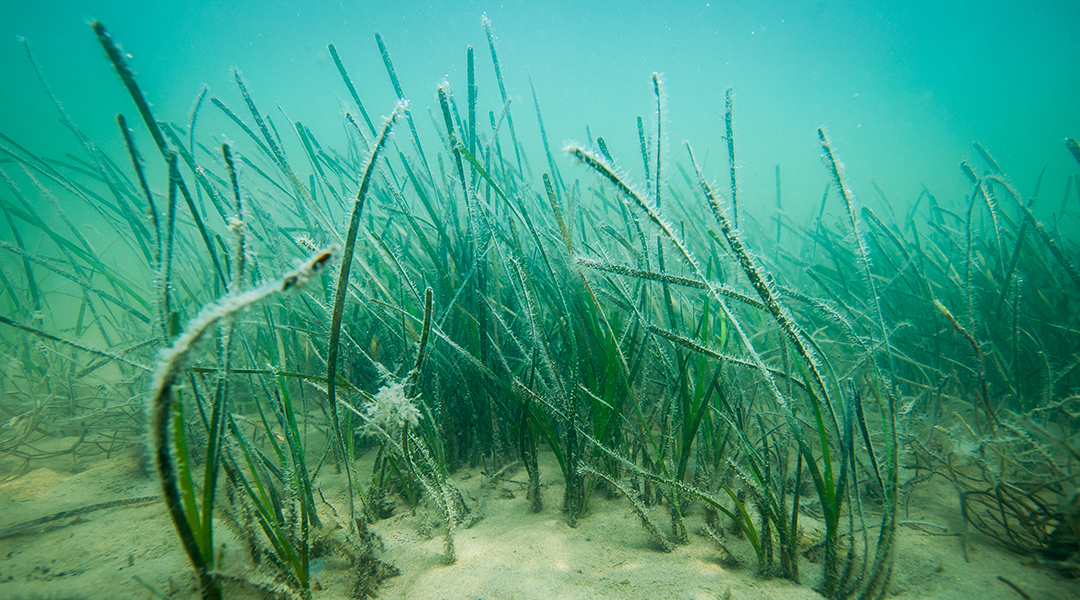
463,300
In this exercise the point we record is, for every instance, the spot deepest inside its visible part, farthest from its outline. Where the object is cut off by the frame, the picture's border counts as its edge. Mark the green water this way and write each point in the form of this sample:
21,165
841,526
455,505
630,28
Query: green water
906,87
741,365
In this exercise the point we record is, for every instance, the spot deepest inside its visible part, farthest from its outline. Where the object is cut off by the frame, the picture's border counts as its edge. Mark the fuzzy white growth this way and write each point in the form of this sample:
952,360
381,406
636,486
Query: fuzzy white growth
601,165
661,137
605,169
769,298
729,101
836,168
169,364
390,408
535,331
305,241
172,358
851,205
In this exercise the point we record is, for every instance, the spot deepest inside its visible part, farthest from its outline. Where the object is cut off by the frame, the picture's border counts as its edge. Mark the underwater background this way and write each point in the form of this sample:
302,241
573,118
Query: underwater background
905,86
565,355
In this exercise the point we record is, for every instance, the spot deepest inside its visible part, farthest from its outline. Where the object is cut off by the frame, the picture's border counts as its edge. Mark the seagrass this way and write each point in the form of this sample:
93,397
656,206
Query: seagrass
702,369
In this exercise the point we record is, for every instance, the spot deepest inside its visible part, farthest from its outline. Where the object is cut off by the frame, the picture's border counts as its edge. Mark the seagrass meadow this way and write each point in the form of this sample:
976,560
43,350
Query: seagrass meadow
422,345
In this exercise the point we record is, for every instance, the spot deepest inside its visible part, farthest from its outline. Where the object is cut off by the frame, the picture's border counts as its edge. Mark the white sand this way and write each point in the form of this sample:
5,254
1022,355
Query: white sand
510,554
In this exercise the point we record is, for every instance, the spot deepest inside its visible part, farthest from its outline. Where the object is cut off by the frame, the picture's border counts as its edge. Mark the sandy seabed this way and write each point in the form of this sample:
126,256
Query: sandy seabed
510,554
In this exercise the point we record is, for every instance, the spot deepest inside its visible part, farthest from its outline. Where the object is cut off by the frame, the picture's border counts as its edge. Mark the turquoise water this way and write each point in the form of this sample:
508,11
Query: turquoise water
903,87
553,326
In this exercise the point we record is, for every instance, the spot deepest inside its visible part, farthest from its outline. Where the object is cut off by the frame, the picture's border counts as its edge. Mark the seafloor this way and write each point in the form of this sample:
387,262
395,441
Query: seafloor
509,554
